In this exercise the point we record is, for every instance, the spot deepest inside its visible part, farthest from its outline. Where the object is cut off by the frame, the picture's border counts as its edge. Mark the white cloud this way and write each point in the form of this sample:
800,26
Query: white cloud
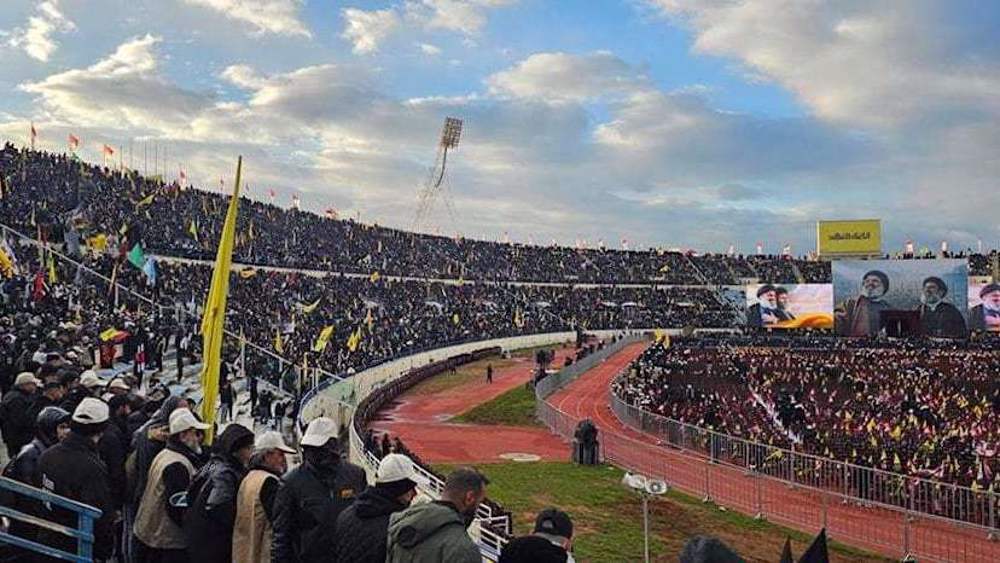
367,29
266,16
862,62
36,39
562,77
428,49
463,16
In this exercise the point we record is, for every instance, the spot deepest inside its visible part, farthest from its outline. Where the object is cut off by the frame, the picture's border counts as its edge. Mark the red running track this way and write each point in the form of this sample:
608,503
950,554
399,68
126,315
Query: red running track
422,421
875,529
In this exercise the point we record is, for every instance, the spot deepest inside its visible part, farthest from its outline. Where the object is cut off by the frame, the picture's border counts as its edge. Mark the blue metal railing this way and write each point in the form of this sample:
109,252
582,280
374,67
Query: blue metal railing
83,533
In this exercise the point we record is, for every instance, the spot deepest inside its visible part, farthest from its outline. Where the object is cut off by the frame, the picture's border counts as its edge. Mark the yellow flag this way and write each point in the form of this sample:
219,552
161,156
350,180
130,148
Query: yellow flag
146,200
455,319
369,320
247,272
99,242
354,339
310,308
323,339
374,277
279,346
6,264
193,229
52,269
214,320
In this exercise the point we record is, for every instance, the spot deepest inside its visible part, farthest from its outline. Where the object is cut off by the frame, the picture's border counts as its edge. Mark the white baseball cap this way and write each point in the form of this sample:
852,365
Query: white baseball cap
271,441
91,411
26,377
118,383
396,467
89,379
319,432
184,419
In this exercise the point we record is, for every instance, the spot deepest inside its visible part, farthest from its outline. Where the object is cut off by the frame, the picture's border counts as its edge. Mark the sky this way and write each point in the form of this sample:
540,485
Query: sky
694,124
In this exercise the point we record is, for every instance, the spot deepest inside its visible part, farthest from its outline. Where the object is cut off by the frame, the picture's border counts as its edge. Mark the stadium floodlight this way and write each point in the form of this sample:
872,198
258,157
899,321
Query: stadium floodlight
451,133
645,487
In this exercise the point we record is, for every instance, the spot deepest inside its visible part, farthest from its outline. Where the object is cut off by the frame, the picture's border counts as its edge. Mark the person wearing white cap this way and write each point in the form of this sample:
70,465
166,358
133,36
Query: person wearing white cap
16,421
73,469
313,496
364,526
255,499
159,523
118,387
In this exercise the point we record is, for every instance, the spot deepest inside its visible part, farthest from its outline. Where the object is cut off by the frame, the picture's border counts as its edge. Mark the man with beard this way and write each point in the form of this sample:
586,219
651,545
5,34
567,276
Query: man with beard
765,312
436,531
986,316
253,529
782,295
158,523
938,317
861,316
313,496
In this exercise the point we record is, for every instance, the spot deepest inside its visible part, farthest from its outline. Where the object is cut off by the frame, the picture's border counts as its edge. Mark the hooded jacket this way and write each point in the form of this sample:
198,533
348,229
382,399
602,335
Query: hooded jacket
430,532
363,527
209,519
145,448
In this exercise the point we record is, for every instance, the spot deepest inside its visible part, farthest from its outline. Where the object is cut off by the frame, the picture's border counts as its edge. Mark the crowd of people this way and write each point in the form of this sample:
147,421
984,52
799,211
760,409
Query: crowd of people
925,411
43,189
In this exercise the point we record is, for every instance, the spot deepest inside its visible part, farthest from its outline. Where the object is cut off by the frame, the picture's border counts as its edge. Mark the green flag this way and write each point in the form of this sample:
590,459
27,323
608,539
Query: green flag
136,256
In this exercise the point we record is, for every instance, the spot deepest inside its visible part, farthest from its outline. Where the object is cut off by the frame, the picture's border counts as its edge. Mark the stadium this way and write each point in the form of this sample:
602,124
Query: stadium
196,370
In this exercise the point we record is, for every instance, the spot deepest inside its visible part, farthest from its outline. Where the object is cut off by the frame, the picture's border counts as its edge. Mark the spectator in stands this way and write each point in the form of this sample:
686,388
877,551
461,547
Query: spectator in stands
53,391
159,521
211,513
551,541
861,316
937,316
436,531
986,315
72,469
51,426
363,527
313,496
255,499
16,423
113,448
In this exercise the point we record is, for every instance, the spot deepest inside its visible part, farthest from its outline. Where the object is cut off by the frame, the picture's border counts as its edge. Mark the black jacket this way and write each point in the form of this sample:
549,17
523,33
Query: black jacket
532,549
211,513
363,527
306,510
16,422
73,469
113,450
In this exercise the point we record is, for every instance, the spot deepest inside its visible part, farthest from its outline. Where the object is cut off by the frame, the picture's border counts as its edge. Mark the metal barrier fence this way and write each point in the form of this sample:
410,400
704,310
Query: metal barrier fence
552,383
83,533
876,510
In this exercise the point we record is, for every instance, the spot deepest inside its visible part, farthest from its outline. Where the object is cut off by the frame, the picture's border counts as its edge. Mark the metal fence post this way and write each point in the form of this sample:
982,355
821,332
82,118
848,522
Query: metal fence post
906,537
708,492
826,501
758,493
993,517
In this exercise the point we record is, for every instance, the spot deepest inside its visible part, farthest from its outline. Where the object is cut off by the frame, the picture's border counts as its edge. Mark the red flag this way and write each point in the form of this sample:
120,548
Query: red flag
108,150
38,290
74,142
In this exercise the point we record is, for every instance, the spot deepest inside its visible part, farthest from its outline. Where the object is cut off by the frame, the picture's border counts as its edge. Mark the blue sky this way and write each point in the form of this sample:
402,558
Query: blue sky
677,123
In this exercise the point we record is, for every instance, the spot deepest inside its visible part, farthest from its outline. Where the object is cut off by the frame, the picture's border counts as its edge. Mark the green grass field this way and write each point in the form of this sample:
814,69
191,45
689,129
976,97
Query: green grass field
513,408
608,517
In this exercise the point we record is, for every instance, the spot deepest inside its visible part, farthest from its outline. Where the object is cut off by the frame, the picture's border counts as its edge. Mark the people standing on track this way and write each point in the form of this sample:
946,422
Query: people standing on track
436,531
489,373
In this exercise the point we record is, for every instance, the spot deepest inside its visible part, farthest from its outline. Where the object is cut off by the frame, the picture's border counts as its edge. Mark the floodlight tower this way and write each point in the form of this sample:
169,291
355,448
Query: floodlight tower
450,135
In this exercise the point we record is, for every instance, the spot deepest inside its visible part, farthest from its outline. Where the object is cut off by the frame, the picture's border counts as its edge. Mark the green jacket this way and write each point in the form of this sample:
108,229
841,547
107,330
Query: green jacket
430,533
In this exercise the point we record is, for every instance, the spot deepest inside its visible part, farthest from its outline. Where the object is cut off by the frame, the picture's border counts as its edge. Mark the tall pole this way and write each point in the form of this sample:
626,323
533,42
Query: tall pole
645,527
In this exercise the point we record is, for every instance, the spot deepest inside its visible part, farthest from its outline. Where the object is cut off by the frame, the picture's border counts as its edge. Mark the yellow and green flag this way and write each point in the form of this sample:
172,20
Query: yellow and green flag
214,320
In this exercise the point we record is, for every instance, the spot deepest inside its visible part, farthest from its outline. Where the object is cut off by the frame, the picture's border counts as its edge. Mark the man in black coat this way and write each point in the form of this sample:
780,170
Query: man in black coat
550,542
211,513
16,422
313,496
986,315
938,317
73,469
363,527
51,426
